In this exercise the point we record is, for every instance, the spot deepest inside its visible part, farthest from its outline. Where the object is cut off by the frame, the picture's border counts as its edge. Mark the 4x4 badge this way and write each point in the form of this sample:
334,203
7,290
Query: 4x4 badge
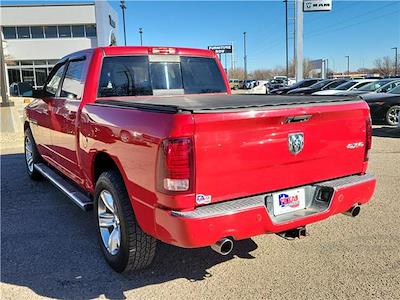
296,142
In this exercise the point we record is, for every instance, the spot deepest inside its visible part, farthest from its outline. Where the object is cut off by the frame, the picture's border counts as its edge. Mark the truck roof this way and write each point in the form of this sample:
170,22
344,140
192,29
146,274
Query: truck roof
212,102
132,50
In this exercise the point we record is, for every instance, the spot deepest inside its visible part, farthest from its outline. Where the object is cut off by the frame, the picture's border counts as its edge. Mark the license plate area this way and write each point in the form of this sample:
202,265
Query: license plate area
289,201
316,199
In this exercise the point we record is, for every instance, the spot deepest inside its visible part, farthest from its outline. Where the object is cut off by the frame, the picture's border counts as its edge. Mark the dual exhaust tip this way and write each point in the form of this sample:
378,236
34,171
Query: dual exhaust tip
223,246
353,212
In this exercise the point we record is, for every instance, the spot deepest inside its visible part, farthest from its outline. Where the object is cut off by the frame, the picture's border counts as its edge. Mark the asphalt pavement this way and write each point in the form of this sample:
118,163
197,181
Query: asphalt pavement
49,249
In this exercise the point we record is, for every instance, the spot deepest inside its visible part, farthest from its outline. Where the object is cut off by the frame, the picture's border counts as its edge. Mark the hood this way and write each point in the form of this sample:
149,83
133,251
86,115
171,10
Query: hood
299,90
327,92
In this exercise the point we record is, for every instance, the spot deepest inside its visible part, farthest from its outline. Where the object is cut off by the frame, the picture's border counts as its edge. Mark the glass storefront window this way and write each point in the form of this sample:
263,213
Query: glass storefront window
50,31
23,32
64,31
78,31
37,32
27,76
13,75
90,30
41,74
9,33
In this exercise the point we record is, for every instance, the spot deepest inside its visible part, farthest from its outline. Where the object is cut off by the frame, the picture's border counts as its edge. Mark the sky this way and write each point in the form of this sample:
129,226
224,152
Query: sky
364,30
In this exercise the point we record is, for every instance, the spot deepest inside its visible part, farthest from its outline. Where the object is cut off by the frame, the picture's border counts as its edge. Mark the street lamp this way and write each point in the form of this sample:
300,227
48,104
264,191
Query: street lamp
395,60
348,64
123,7
287,38
245,55
141,36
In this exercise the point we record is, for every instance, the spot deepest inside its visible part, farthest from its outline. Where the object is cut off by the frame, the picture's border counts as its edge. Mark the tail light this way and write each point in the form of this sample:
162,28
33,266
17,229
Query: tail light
175,166
368,140
162,50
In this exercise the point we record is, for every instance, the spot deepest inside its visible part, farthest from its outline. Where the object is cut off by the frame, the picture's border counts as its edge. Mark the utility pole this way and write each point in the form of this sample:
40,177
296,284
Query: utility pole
123,7
245,55
3,84
287,38
233,57
348,65
141,36
395,60
299,40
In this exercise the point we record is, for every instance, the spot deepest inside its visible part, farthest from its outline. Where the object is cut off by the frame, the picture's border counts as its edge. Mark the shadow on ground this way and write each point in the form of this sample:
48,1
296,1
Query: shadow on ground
386,131
50,246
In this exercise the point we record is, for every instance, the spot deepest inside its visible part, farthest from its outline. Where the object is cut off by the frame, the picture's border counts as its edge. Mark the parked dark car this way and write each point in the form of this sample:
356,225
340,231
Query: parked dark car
300,84
384,106
371,87
322,85
21,89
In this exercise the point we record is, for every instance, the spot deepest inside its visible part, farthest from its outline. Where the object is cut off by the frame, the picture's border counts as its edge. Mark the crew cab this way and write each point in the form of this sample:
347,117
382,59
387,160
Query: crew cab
153,141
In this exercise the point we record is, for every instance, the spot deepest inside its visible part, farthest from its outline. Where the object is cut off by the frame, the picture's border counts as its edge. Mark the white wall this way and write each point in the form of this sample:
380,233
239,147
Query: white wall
43,15
104,29
31,49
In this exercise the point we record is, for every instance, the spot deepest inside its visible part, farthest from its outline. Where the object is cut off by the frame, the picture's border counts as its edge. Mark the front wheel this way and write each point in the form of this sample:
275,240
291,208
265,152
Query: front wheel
392,115
124,245
32,156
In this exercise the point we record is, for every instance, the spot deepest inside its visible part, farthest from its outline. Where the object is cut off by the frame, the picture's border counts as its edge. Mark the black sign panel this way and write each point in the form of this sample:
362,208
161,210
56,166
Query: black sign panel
221,49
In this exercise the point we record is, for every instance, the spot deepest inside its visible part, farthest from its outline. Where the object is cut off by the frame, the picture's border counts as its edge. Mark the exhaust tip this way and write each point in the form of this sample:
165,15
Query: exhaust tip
223,246
353,212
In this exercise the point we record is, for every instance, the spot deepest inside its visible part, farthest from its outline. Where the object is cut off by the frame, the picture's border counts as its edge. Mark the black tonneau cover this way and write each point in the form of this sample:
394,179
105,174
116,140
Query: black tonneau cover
214,103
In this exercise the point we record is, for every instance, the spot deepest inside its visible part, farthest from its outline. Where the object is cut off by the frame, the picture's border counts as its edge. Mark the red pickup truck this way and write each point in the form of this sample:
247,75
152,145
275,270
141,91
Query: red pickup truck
151,138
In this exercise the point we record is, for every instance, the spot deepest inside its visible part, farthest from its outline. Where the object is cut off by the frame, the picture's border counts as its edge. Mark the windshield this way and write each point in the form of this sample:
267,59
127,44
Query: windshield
395,90
304,83
345,86
373,86
320,84
137,76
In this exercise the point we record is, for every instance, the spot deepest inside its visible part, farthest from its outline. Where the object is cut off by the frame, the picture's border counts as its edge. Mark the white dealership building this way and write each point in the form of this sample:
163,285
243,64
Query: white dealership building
37,35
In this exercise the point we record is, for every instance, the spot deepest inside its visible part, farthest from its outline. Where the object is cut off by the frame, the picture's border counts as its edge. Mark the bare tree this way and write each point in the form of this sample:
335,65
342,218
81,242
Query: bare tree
237,73
384,66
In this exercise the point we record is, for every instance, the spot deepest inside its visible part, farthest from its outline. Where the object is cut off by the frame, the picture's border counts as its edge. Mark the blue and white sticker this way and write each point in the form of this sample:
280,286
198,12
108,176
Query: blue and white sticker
203,199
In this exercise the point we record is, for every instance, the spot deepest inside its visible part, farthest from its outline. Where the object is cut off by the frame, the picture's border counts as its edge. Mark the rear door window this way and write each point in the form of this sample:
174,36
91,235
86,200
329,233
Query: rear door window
125,76
201,75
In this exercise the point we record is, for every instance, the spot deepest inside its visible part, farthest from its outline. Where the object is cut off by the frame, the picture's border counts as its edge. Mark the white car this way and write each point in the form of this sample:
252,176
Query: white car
351,85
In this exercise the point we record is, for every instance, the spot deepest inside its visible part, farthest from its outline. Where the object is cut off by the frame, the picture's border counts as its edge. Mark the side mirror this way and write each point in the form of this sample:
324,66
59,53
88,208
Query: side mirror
38,93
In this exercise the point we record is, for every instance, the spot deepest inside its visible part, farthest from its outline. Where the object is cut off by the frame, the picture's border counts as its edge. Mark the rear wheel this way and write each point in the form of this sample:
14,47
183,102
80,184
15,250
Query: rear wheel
392,115
123,243
32,156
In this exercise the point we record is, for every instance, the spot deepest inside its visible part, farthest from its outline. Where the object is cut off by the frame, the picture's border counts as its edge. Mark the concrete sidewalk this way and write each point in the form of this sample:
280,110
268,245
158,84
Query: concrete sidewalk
11,126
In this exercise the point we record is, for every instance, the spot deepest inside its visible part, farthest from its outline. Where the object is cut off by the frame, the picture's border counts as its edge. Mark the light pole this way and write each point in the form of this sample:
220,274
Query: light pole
141,36
123,7
245,55
287,46
395,60
348,65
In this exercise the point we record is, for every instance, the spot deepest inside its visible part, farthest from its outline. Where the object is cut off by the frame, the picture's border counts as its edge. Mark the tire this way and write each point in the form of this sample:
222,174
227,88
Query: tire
32,156
135,249
392,115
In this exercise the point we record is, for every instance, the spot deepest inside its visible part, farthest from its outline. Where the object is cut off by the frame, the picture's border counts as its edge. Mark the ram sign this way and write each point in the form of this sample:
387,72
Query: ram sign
221,49
317,5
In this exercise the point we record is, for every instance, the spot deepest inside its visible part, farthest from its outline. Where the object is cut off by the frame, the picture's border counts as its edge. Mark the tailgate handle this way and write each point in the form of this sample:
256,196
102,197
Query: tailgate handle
297,119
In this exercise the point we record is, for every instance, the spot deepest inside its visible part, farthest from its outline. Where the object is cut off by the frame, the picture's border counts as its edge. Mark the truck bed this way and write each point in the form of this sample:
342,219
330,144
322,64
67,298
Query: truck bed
217,103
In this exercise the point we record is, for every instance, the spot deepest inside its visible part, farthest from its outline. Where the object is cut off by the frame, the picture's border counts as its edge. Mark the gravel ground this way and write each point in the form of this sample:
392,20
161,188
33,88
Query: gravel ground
49,249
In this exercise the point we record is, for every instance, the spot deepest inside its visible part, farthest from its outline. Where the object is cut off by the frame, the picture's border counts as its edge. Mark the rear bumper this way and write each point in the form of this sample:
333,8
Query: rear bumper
247,217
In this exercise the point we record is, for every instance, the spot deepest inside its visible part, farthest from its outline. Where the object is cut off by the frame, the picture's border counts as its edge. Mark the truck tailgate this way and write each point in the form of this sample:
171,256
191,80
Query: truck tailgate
247,152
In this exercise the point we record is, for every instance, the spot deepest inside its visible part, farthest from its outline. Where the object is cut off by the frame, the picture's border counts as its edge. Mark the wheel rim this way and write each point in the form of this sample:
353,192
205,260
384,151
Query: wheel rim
28,154
393,115
109,224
